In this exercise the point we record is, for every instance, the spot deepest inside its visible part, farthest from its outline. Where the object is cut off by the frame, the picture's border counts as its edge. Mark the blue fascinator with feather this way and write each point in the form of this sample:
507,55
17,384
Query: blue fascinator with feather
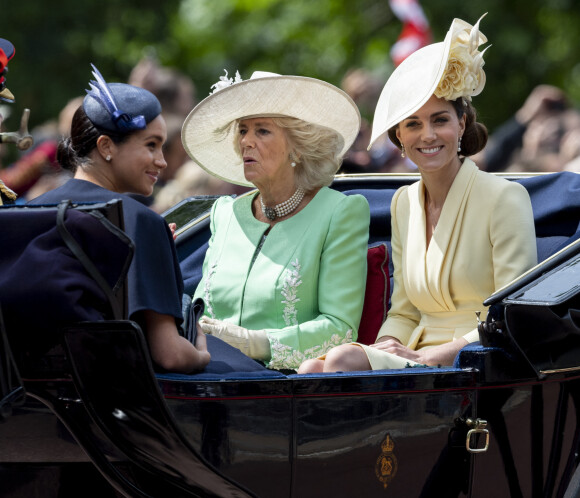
119,107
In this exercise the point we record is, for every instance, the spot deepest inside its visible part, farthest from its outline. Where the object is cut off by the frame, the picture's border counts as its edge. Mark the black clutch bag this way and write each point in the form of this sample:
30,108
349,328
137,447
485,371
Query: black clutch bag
192,317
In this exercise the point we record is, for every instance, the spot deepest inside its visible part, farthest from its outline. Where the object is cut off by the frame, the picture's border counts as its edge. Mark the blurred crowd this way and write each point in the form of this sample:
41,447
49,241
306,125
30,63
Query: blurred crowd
542,136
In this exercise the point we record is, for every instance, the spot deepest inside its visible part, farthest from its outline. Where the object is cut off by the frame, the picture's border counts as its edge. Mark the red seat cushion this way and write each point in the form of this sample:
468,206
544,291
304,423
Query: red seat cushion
377,294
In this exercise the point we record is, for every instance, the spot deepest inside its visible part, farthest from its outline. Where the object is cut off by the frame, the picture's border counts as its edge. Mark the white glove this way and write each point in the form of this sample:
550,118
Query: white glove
253,343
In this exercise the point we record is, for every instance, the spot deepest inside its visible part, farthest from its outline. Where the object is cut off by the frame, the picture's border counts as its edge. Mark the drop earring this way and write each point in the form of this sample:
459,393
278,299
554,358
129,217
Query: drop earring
402,150
459,145
293,163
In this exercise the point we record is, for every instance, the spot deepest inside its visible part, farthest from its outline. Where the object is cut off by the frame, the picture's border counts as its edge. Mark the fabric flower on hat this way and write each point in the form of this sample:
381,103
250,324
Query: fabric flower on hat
464,75
224,82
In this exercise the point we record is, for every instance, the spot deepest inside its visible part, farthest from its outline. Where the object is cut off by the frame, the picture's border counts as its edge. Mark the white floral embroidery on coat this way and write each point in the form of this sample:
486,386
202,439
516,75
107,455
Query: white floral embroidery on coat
284,356
289,291
207,290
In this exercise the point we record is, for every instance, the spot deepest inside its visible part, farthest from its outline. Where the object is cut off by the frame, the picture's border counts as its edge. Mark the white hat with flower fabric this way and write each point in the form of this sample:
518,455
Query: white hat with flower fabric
449,69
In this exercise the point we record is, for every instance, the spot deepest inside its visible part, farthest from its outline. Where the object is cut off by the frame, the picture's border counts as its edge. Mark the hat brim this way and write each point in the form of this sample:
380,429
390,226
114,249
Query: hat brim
208,136
411,85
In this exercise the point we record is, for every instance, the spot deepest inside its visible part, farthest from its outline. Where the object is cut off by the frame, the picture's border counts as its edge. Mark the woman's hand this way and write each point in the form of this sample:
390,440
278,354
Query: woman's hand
394,346
173,227
171,351
253,343
443,354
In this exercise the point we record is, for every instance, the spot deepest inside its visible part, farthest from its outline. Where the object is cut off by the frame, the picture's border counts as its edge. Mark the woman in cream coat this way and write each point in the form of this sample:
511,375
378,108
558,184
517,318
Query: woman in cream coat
458,234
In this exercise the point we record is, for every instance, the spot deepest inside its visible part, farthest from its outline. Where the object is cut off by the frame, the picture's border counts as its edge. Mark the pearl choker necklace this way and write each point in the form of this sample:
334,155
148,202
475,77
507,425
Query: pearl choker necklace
284,208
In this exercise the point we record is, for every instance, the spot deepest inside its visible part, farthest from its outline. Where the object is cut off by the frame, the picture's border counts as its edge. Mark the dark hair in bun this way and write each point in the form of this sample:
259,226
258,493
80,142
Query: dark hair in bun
75,150
475,134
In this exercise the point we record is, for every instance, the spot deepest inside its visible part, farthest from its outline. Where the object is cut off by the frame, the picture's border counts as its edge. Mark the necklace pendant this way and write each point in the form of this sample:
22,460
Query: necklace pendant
284,208
269,212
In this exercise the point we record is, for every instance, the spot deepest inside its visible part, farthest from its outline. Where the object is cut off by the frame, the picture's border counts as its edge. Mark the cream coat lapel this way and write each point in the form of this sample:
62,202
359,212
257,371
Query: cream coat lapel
414,255
443,245
432,266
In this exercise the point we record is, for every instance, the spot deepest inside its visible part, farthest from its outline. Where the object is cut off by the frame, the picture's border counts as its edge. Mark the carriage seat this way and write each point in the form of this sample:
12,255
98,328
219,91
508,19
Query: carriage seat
555,201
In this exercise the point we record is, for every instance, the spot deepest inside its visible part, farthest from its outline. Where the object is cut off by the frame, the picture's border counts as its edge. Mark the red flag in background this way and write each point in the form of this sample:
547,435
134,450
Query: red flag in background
416,32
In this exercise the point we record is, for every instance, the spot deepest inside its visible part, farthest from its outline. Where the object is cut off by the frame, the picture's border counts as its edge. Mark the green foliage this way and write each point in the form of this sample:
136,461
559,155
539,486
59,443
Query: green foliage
533,41
56,42
320,38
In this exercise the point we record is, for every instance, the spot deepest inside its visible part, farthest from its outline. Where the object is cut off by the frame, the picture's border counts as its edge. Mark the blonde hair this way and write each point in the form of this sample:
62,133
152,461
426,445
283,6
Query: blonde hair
315,149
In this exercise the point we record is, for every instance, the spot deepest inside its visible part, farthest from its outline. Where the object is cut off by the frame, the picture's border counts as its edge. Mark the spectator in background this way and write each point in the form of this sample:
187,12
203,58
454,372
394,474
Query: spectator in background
173,89
541,136
383,157
174,151
189,181
37,171
176,93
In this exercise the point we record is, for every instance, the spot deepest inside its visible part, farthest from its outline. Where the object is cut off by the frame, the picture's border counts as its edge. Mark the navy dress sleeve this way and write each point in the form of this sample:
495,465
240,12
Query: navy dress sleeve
155,281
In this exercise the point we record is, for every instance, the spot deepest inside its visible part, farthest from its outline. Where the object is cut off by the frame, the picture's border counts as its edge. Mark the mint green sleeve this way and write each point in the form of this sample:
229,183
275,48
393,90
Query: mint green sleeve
199,291
341,289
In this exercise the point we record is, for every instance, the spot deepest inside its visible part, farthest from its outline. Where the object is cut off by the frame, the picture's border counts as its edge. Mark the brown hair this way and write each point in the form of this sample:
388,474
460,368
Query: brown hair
475,134
74,150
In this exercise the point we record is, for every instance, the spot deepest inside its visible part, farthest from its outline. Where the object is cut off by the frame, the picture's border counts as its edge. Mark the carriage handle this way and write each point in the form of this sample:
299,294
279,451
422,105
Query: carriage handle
479,426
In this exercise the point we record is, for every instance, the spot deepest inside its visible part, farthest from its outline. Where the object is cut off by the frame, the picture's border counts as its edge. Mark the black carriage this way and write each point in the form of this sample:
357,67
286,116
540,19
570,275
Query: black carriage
87,414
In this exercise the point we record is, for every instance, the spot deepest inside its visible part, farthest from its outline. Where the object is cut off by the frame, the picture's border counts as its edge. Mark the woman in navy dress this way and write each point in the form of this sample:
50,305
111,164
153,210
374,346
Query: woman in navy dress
115,148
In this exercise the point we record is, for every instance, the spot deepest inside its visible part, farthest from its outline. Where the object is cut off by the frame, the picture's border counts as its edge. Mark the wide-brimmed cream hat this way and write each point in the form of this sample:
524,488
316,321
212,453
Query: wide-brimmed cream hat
208,130
449,69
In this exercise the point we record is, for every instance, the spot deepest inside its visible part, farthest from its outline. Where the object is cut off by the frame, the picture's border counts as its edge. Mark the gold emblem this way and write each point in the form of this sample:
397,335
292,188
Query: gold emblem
387,465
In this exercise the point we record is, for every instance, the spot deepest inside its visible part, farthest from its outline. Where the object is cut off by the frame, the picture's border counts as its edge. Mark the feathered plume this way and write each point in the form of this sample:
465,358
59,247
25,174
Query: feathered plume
101,92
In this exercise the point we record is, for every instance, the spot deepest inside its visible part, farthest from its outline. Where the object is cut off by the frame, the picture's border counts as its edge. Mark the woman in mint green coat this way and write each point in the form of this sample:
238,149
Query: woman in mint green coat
284,276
